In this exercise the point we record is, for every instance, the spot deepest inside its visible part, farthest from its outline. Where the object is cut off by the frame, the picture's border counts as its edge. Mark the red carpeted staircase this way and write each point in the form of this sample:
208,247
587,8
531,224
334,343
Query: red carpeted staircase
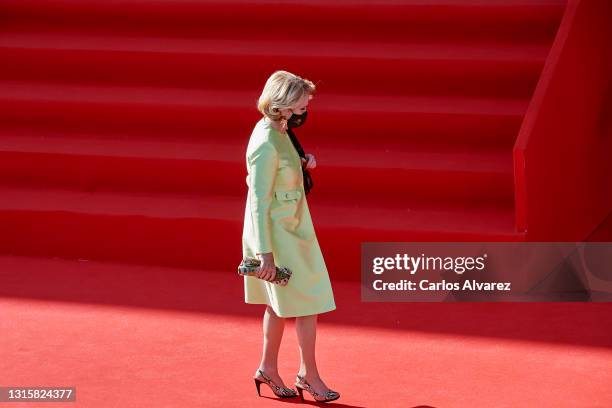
124,124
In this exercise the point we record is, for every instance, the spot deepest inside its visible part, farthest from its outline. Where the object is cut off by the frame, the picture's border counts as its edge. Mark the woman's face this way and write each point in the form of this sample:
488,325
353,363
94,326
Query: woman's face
298,108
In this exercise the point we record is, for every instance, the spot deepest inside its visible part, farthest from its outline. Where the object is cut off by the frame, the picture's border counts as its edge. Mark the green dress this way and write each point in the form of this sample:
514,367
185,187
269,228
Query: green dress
277,220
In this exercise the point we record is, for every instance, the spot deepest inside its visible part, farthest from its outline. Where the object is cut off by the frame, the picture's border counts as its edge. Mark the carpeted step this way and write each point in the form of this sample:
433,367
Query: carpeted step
203,231
225,114
501,70
391,21
89,161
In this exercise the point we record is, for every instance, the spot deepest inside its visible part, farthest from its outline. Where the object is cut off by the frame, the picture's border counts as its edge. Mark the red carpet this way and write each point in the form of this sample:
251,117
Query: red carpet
122,139
135,336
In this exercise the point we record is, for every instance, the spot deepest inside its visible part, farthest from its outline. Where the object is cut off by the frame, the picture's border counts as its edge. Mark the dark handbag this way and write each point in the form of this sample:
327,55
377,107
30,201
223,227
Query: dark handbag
250,266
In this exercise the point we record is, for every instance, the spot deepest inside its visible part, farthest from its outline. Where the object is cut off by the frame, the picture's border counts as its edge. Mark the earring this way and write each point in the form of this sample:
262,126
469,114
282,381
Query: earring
283,123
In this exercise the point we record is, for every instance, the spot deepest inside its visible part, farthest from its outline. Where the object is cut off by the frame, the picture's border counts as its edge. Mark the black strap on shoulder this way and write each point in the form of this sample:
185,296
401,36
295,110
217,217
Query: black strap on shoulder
308,183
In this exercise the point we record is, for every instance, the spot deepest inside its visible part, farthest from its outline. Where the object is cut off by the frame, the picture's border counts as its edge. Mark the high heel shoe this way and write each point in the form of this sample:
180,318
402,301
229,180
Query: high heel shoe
301,384
282,392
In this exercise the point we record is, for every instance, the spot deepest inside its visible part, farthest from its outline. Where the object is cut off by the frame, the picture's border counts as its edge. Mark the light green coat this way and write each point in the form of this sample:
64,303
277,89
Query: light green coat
277,220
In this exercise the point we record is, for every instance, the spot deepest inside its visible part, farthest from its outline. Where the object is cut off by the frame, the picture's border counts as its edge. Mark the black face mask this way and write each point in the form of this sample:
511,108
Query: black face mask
297,120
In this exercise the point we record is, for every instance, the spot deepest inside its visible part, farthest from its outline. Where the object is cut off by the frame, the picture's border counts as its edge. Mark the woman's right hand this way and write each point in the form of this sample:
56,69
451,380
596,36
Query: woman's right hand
267,269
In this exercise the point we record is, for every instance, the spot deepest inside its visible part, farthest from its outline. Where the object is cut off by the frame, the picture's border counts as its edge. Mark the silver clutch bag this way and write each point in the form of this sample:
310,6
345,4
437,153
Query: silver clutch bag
249,267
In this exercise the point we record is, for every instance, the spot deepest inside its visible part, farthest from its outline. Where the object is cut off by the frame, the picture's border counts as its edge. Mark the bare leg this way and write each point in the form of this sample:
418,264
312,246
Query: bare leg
273,327
306,328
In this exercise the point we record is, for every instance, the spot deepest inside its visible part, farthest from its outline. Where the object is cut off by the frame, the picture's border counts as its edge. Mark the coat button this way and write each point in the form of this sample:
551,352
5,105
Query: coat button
287,195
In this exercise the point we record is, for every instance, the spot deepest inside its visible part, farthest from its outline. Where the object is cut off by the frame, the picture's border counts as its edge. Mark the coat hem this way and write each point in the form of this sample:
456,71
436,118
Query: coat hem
294,315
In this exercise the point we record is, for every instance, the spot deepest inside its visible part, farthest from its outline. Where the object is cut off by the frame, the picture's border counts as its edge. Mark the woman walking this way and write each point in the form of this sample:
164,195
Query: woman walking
278,230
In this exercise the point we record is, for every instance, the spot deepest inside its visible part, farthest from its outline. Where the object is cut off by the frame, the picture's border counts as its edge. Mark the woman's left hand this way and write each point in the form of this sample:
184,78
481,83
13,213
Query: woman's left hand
311,163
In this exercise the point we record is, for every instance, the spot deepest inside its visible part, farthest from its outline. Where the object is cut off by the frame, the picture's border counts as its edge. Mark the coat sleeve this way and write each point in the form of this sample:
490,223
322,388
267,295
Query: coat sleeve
263,162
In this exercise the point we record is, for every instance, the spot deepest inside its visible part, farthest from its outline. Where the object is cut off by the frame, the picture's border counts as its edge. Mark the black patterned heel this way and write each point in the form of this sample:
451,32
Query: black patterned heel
301,392
281,392
301,384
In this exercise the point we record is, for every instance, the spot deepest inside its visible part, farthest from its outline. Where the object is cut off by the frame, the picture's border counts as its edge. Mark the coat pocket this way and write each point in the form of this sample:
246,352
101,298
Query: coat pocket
282,162
287,209
288,195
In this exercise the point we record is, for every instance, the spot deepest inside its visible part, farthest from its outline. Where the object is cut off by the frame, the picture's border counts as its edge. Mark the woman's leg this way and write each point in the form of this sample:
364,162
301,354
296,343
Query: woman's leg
273,327
306,328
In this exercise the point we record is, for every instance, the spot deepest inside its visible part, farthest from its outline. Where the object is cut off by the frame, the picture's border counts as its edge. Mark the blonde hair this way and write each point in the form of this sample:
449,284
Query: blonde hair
282,90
